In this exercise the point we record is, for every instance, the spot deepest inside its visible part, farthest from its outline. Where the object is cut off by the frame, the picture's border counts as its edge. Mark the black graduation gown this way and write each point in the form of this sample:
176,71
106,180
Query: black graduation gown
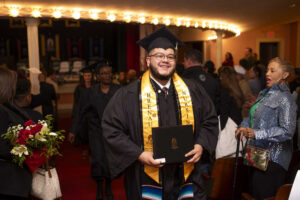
82,134
14,180
123,140
93,104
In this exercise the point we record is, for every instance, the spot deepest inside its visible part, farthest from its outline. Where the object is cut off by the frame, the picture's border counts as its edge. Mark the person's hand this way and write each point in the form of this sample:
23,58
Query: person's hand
250,133
240,131
247,132
196,153
71,137
147,159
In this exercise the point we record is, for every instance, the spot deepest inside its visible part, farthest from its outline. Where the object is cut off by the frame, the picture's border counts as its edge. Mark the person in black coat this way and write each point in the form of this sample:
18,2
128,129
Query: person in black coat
193,70
92,105
86,82
45,98
15,181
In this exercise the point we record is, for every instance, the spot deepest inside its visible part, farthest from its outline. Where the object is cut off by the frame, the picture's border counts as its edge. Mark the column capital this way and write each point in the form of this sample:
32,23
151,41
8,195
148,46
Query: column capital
31,21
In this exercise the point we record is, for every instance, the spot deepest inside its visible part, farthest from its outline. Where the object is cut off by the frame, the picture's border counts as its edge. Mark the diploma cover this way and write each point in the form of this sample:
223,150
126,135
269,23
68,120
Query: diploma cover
172,143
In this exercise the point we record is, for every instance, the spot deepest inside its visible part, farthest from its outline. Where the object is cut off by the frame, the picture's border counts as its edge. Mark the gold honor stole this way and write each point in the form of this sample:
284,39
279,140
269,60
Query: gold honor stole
150,117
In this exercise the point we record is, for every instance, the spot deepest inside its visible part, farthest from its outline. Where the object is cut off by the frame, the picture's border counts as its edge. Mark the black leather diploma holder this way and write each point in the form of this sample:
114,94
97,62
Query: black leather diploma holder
170,144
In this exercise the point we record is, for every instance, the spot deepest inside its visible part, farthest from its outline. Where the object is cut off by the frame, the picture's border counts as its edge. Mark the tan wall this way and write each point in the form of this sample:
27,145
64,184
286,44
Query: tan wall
285,34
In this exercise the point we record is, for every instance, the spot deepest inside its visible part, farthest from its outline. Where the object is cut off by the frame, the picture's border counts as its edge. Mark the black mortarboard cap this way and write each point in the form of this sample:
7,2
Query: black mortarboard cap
162,38
99,64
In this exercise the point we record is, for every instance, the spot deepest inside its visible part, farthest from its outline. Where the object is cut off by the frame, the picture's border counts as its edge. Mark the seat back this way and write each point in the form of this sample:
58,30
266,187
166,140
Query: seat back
64,67
223,175
283,192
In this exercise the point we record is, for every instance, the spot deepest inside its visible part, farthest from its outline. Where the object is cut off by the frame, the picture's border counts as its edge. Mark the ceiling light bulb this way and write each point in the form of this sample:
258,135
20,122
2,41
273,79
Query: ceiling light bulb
57,14
187,23
14,12
155,21
204,24
167,21
127,18
178,22
142,20
36,13
196,25
76,14
210,25
111,17
94,14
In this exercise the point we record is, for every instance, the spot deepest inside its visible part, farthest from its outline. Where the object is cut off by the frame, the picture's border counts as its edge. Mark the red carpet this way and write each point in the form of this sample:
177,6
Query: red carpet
74,173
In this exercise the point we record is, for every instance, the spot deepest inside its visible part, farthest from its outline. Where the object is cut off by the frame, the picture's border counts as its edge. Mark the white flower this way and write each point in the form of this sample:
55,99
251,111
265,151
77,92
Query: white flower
52,134
19,150
40,137
44,130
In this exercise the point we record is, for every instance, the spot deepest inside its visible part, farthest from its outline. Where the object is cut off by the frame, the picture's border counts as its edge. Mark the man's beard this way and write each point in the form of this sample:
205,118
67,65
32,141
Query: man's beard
158,76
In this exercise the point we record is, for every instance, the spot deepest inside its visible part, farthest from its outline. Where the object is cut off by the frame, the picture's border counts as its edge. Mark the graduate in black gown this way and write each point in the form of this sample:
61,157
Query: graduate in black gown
86,82
93,104
125,126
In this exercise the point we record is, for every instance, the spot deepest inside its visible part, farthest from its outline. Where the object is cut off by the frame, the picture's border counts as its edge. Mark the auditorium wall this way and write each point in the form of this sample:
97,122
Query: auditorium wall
287,35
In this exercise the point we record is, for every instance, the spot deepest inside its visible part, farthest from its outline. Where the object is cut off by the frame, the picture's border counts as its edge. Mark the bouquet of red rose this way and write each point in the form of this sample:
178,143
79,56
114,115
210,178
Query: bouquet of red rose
33,143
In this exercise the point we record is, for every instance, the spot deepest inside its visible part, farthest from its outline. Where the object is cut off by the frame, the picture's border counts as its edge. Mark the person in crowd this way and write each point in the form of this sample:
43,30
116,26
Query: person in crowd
230,111
51,76
254,81
249,58
271,126
22,99
193,70
15,181
228,60
46,97
231,95
131,76
124,125
86,81
240,75
120,79
209,67
93,106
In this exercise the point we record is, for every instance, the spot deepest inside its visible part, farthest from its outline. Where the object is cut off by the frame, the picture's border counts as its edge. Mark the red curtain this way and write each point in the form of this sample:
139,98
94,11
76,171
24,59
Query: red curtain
132,49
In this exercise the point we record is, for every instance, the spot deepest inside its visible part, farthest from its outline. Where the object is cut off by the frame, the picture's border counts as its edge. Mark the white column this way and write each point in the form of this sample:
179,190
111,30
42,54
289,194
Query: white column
219,49
298,48
33,53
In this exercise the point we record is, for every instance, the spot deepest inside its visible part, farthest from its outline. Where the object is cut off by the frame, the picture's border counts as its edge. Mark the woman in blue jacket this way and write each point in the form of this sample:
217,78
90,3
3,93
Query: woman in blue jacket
271,126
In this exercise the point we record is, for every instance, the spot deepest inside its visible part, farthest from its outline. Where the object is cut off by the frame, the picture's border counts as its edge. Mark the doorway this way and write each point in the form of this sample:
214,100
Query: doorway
268,50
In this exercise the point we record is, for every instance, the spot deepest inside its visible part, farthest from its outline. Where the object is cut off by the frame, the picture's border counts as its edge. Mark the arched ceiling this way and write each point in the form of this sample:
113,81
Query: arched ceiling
247,14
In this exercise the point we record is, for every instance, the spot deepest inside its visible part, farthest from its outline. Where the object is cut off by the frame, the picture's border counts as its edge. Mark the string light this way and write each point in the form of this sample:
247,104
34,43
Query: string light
141,19
196,25
187,23
57,13
155,21
76,14
167,21
14,11
178,22
111,17
127,17
36,13
94,14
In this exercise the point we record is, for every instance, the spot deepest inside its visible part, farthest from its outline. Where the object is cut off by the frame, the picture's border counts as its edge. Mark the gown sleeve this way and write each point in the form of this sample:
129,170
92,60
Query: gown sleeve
121,150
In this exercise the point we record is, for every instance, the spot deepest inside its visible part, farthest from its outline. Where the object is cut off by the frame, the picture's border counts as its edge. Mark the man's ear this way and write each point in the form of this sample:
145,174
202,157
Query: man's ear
148,61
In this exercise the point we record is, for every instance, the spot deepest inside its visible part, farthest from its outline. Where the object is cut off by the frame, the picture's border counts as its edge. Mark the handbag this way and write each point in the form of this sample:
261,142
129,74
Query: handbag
256,157
45,184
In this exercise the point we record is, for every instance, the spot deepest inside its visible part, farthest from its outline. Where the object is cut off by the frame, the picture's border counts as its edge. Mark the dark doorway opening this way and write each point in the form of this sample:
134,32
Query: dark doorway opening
268,50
